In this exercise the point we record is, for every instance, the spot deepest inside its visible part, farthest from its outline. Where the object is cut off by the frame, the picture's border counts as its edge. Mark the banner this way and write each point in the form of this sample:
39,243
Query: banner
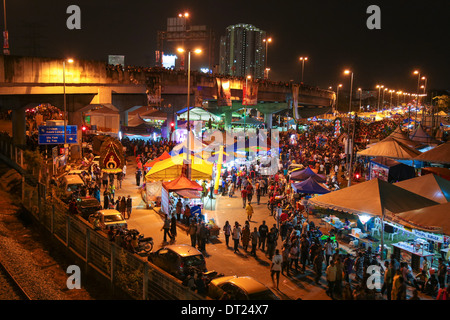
250,94
223,93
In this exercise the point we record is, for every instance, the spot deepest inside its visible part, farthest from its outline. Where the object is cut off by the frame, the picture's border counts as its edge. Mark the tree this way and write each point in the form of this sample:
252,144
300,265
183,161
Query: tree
443,103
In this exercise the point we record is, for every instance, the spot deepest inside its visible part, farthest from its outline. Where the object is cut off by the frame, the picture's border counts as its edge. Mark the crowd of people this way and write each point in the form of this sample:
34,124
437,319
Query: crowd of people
293,243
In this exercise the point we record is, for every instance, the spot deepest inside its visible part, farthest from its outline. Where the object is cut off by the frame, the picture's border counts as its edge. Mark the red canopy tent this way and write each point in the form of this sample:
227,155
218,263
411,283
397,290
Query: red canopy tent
162,157
181,183
182,186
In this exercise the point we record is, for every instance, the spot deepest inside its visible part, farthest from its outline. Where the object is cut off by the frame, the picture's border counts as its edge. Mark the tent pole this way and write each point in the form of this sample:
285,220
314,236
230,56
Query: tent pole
382,232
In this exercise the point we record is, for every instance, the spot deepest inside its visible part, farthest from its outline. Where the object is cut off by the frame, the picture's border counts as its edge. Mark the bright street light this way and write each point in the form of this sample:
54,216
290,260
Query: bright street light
267,41
303,59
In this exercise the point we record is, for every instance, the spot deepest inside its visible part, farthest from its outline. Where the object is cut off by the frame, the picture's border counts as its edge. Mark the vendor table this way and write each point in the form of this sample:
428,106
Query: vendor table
366,241
406,252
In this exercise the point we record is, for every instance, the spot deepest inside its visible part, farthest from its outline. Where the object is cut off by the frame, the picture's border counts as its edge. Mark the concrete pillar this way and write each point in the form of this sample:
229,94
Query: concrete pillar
19,126
268,120
228,119
124,118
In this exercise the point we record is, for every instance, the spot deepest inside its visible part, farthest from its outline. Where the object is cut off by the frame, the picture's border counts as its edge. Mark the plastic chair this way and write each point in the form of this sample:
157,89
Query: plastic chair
391,235
376,227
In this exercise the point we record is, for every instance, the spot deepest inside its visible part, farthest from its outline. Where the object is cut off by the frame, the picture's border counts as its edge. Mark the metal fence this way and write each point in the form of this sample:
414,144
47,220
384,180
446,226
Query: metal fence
130,272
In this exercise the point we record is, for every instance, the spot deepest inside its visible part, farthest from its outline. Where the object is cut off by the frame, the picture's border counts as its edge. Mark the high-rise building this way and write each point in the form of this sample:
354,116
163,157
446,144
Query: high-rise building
242,51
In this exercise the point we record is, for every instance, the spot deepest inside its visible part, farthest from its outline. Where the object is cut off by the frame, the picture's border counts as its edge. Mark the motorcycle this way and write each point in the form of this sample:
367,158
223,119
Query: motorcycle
145,244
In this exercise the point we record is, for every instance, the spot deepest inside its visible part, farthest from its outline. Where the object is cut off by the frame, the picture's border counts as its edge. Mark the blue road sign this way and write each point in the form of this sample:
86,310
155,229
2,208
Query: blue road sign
55,134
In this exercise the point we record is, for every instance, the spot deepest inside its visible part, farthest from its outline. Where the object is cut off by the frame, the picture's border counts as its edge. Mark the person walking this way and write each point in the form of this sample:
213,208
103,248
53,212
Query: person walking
236,233
203,236
112,190
178,208
304,251
119,180
441,273
388,279
271,243
138,177
106,199
275,268
173,228
97,193
318,266
166,228
192,232
245,236
244,197
331,278
263,231
129,206
339,275
258,195
328,251
123,206
249,210
254,238
227,232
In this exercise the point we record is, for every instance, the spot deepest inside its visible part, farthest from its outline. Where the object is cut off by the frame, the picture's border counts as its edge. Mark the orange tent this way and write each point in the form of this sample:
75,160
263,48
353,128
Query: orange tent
151,163
181,183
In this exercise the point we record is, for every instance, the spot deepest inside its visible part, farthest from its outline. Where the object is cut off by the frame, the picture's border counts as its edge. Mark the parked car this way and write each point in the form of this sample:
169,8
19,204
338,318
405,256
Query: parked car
69,184
83,174
109,218
240,288
178,260
87,206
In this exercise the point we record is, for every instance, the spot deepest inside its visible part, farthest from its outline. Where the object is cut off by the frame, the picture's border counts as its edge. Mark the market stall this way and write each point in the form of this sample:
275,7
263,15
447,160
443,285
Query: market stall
391,148
301,175
429,186
180,189
390,170
372,199
172,168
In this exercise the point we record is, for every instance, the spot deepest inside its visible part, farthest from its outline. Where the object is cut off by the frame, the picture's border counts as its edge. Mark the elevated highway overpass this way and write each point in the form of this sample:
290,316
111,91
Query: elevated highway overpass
27,82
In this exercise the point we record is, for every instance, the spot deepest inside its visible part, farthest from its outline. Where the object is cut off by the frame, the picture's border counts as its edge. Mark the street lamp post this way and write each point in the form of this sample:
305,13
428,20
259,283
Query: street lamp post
64,94
245,109
379,94
267,41
349,141
360,94
303,59
337,96
417,94
197,51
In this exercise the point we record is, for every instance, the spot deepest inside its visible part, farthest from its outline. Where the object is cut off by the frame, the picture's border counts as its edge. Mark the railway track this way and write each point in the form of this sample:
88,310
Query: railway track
11,288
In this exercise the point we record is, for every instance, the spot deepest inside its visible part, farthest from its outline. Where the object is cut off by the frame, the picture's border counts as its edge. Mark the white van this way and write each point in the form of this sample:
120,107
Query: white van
71,183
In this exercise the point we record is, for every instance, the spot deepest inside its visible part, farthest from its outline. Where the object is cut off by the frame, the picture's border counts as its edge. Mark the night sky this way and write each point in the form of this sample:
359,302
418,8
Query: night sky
333,34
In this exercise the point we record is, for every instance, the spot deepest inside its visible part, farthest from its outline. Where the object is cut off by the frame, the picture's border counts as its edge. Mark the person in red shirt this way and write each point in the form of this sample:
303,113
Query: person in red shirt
244,197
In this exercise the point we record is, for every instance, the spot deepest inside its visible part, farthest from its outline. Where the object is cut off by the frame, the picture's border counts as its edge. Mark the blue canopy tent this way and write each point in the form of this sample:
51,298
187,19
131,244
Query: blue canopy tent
301,175
311,186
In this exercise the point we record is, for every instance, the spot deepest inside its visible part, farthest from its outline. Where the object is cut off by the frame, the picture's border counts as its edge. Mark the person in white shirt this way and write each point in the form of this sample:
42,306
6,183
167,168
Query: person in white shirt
275,268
